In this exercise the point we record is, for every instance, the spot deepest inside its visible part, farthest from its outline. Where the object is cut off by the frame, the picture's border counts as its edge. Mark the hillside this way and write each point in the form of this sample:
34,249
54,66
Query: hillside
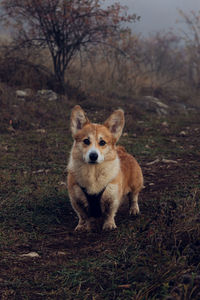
153,256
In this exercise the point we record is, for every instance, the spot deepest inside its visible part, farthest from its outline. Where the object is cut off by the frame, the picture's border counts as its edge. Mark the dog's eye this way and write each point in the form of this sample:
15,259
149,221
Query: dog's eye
102,143
86,141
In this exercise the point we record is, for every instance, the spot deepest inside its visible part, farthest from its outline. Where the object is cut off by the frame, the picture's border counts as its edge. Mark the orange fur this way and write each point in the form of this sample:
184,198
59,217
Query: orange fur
98,166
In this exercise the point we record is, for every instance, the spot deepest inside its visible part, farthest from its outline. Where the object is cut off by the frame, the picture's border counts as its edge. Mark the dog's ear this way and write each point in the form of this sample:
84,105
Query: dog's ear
78,119
115,123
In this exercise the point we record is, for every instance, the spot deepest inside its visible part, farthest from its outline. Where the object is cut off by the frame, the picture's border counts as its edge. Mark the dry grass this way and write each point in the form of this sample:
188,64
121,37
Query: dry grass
157,66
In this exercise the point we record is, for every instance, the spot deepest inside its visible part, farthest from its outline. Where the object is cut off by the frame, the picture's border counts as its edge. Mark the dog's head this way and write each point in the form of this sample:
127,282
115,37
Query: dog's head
95,143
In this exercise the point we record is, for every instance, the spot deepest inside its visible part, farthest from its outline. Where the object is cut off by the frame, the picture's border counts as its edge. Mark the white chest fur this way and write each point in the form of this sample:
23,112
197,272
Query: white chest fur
94,177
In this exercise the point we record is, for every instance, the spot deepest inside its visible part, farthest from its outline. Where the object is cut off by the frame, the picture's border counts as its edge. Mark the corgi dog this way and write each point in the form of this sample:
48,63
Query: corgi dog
100,173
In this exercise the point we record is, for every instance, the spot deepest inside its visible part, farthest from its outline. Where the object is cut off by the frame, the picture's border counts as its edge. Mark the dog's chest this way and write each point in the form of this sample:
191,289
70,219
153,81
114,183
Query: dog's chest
93,180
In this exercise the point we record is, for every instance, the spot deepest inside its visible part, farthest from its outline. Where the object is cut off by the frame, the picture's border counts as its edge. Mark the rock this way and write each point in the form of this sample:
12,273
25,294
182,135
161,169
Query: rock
153,104
48,95
183,133
24,93
21,94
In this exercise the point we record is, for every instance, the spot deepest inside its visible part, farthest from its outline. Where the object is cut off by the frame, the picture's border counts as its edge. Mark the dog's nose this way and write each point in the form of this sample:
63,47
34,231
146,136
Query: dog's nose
93,156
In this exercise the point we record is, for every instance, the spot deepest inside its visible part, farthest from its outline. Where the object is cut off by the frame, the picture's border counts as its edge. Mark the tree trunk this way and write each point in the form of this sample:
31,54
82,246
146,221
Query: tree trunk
59,72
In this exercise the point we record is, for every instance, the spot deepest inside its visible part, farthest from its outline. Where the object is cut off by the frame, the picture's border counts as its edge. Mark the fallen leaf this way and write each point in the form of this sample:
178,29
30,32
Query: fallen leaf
4,147
41,131
153,162
164,124
169,161
41,171
61,253
125,134
62,183
30,254
124,286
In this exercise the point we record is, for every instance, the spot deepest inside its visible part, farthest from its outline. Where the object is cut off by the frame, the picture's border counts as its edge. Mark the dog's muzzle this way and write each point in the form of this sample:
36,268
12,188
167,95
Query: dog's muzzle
93,156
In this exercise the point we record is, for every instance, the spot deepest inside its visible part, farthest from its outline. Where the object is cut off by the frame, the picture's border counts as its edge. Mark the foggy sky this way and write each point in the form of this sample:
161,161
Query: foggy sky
159,15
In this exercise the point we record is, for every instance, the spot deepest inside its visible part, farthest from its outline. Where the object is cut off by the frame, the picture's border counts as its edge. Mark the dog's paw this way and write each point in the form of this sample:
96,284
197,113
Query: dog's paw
80,228
109,226
134,210
86,226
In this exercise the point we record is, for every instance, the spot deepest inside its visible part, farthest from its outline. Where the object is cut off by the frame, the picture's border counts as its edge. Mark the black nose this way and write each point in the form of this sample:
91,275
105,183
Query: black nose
93,156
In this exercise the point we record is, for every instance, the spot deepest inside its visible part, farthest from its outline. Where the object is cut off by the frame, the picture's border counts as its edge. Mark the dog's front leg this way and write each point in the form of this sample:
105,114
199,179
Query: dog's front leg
109,205
80,205
84,223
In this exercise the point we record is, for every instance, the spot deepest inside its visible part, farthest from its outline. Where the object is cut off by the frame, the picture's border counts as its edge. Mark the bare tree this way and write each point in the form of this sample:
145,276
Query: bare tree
63,26
191,37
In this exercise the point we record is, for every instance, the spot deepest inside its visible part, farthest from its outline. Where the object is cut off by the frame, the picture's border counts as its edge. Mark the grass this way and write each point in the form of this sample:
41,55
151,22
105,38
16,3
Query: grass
153,256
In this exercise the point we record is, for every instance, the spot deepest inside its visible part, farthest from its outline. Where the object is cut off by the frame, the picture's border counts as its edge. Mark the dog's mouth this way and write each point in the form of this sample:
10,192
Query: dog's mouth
93,162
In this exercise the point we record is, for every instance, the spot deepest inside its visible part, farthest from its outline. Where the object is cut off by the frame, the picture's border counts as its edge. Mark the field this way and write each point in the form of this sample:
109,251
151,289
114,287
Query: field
153,256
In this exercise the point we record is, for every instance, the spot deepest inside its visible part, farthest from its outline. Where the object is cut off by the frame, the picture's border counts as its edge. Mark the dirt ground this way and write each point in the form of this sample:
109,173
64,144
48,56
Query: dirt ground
147,257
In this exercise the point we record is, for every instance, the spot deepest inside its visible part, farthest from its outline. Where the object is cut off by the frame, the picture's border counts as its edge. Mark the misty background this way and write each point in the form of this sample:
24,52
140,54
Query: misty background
159,15
159,60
